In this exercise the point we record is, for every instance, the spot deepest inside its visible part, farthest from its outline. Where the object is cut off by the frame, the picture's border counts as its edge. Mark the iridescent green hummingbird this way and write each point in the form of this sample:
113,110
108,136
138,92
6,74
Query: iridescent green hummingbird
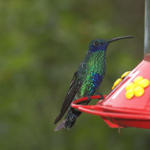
86,80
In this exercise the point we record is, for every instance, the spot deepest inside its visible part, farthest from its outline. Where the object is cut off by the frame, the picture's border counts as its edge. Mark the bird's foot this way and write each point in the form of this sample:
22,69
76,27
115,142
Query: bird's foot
89,99
101,96
85,102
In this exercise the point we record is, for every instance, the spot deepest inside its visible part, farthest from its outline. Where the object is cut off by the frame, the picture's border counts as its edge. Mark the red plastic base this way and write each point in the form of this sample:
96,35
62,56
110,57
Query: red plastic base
116,110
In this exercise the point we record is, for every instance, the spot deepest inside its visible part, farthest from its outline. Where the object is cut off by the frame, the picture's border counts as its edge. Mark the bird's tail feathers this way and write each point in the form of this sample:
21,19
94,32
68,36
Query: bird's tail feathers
69,120
60,126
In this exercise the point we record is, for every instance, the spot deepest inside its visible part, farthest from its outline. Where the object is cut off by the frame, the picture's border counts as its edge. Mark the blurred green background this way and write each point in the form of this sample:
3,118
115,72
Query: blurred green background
42,42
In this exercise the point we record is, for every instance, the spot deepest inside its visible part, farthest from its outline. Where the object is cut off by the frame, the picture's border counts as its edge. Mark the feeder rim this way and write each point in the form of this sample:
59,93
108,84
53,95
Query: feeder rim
104,111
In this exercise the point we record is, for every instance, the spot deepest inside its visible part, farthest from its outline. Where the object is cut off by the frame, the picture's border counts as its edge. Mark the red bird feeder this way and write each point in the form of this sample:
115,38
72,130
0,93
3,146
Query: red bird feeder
128,104
120,110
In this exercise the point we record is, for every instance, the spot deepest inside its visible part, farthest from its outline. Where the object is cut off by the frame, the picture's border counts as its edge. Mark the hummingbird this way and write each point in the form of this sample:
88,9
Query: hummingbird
86,80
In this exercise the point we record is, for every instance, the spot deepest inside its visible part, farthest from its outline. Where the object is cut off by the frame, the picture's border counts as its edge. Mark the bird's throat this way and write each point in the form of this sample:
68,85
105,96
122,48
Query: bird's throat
96,62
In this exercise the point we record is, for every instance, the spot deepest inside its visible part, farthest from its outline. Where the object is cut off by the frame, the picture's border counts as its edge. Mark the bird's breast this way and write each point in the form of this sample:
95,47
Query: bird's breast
94,74
90,83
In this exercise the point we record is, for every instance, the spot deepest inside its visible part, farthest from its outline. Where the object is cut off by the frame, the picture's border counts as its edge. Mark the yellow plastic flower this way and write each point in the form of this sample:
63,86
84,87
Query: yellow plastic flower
125,74
130,86
116,82
138,91
144,83
129,94
136,88
138,79
120,79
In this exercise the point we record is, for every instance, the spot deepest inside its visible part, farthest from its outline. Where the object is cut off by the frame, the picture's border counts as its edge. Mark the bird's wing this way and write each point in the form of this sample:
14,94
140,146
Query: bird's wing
73,89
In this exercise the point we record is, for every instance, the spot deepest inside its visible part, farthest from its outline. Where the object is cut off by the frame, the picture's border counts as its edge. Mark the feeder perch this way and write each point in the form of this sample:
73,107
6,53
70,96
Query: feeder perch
128,104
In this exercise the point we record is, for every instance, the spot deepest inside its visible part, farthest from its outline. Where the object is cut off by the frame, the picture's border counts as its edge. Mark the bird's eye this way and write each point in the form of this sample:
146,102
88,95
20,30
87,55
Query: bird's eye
96,43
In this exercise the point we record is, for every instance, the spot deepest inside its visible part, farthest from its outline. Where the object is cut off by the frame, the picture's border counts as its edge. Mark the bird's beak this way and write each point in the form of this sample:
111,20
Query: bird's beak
119,38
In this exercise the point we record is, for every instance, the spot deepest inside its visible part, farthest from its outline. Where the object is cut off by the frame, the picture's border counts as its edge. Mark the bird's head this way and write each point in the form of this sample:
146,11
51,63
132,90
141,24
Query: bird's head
101,45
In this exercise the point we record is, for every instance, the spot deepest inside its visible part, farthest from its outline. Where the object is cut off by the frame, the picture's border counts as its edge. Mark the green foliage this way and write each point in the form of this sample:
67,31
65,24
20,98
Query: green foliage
41,44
